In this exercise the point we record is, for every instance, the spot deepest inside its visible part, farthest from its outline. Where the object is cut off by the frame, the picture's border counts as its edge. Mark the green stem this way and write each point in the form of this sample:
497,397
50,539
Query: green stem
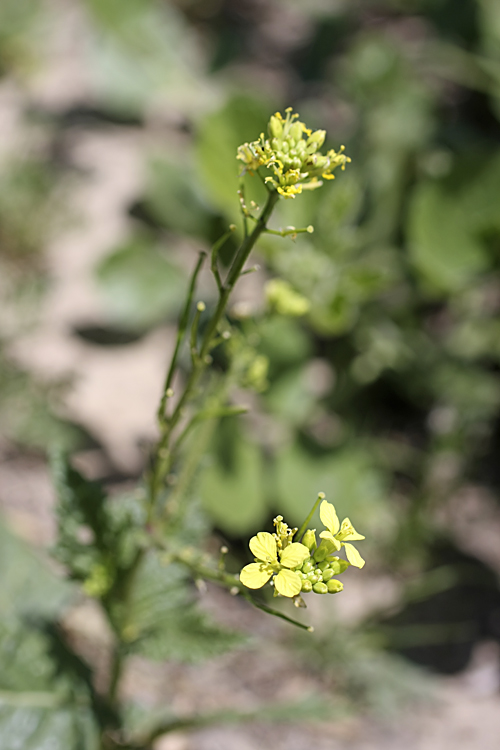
162,461
180,335
303,528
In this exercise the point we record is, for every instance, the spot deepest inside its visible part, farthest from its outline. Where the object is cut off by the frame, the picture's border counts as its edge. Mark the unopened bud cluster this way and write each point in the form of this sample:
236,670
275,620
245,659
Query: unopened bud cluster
292,152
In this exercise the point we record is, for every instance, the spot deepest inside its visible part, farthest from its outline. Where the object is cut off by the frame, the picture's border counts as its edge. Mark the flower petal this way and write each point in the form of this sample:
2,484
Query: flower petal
347,531
263,547
255,575
329,536
353,556
293,555
288,583
329,517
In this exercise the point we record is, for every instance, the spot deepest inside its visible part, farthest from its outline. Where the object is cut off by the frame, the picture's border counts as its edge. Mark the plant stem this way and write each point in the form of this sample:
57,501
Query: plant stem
163,455
303,528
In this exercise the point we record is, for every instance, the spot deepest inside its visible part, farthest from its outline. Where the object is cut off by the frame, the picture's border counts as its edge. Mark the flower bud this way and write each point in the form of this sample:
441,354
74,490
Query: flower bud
327,575
308,566
338,565
309,539
307,586
320,588
317,138
334,586
275,127
323,565
296,131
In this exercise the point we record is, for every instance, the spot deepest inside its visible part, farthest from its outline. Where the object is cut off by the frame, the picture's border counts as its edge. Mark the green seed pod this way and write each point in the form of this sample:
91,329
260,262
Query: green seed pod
307,586
320,588
308,566
327,574
334,586
338,565
309,539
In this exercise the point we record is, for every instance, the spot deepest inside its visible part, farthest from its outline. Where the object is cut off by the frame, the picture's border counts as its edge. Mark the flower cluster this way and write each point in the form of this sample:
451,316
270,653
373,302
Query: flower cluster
305,566
292,153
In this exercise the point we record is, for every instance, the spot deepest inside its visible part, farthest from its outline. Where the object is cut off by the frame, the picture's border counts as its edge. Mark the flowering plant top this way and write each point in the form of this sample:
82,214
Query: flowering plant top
292,153
301,567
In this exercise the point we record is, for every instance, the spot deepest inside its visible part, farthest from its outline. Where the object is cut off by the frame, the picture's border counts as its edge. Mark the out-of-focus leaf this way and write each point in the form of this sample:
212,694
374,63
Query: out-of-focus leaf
349,478
448,222
28,586
291,396
174,200
45,695
234,496
142,50
283,341
139,285
162,621
218,137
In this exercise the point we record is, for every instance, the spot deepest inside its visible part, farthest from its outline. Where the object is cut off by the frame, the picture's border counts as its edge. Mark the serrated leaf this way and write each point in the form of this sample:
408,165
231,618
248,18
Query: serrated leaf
186,635
162,620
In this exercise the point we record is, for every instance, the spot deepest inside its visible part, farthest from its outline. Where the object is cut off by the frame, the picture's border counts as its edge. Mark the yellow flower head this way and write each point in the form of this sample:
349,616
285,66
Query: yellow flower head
292,153
340,535
274,561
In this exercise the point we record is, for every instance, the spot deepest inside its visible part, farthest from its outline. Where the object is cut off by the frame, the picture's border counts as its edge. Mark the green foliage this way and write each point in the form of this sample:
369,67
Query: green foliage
217,139
232,490
139,284
26,410
45,692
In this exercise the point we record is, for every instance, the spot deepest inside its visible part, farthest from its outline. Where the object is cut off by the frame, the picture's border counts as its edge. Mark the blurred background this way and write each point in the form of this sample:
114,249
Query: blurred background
119,122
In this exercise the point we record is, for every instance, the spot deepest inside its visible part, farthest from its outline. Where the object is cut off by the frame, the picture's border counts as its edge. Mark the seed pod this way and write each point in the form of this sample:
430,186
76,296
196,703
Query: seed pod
320,588
334,586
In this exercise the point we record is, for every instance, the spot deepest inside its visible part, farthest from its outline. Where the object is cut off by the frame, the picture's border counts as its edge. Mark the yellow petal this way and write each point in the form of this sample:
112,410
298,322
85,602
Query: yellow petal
347,531
288,583
353,556
293,555
329,536
329,517
263,547
255,575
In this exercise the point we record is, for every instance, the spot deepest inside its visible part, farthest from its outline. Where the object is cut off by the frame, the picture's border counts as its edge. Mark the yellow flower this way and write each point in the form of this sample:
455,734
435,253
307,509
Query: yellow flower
340,535
292,153
273,561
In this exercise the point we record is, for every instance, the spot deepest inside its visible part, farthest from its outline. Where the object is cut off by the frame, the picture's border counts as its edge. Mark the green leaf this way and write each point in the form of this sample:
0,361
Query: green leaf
449,221
173,198
234,495
350,480
162,621
139,285
218,136
140,50
28,586
46,697
94,530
